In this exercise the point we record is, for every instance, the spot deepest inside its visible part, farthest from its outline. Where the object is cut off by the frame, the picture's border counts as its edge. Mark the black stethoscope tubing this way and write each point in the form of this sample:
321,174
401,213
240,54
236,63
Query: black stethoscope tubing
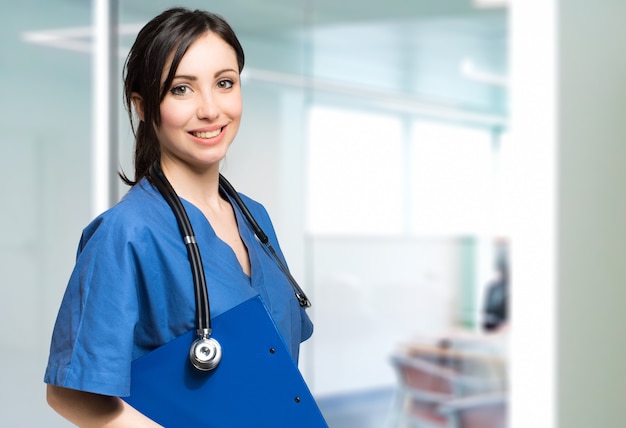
203,311
261,236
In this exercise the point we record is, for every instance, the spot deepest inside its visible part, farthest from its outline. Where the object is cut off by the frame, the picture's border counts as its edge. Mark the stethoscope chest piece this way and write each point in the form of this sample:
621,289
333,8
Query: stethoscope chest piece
205,353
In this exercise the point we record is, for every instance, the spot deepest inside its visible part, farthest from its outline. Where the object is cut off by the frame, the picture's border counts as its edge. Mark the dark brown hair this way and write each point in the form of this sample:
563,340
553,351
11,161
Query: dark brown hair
169,34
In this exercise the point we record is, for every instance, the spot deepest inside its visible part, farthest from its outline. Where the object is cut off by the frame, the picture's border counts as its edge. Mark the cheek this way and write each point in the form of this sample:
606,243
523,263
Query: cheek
172,115
234,107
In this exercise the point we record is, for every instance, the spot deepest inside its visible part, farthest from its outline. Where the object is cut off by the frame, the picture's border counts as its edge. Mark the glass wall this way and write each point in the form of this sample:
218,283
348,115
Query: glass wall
371,133
44,186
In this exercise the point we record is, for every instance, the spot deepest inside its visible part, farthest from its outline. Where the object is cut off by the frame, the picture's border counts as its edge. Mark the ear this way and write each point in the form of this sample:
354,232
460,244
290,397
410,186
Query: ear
137,101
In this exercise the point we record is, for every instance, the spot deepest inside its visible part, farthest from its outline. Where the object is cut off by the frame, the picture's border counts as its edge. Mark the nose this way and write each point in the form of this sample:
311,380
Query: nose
208,106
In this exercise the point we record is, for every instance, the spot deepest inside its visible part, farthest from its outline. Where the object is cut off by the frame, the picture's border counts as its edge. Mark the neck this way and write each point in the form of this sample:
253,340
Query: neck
199,186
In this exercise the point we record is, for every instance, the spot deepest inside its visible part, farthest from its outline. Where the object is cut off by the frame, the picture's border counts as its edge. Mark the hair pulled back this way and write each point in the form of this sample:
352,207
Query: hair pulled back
166,37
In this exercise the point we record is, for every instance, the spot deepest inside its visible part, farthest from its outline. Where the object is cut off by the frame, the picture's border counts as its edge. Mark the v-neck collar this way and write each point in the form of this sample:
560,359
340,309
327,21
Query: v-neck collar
245,233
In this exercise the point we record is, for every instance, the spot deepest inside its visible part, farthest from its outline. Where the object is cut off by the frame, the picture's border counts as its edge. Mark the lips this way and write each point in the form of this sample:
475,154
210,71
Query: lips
205,135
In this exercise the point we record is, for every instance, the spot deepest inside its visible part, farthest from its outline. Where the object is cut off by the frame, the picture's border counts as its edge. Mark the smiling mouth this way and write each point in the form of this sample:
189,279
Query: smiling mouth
207,135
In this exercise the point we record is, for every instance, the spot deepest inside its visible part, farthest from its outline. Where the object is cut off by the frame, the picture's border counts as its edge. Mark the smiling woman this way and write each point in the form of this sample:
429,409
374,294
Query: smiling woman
183,81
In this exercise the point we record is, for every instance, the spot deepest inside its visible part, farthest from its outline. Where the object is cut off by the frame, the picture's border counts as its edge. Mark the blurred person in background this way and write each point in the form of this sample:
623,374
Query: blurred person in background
496,303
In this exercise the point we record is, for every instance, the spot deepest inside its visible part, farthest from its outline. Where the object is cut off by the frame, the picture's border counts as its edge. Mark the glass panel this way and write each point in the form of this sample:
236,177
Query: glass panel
45,187
324,85
412,278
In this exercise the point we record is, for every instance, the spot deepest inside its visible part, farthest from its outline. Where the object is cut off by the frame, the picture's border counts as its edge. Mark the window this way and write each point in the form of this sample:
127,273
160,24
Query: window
451,179
355,172
369,174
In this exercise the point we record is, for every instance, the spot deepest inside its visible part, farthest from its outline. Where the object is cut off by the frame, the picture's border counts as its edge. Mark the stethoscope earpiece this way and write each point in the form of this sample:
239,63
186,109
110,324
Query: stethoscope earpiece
205,353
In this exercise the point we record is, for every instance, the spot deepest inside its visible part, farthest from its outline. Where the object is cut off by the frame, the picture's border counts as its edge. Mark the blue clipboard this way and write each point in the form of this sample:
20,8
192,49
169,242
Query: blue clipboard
256,384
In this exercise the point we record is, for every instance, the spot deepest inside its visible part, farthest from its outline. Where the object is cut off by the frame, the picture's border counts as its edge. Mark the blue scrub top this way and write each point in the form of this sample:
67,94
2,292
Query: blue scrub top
131,290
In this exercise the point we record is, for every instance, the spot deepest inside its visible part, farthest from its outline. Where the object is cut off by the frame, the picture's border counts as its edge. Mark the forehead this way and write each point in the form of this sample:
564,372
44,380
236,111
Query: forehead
209,52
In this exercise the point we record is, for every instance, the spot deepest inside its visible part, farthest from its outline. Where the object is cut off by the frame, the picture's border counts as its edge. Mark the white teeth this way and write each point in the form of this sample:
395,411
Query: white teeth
207,134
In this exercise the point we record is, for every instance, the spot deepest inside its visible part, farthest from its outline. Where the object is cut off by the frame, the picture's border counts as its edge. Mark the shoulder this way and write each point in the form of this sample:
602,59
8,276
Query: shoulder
141,209
257,210
141,199
252,204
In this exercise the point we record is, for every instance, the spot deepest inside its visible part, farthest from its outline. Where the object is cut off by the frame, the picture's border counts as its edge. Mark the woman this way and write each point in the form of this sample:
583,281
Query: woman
131,289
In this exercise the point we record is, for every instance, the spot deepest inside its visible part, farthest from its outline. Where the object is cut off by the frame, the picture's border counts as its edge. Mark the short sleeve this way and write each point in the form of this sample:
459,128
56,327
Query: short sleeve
92,342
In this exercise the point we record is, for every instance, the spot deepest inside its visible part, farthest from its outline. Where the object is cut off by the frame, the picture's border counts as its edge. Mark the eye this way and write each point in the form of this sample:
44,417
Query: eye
225,84
180,90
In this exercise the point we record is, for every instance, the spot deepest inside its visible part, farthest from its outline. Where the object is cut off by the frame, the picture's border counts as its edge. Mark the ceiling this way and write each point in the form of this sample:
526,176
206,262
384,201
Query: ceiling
414,46
271,16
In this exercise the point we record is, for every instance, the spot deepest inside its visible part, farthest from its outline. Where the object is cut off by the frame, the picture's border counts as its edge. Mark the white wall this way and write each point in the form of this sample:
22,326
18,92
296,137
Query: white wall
533,146
592,214
568,110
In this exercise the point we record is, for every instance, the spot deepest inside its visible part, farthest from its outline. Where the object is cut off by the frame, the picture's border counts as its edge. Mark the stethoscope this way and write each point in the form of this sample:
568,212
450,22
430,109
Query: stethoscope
205,352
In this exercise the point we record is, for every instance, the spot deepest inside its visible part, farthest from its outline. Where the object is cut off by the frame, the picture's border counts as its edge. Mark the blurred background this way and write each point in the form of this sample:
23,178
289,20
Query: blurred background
379,137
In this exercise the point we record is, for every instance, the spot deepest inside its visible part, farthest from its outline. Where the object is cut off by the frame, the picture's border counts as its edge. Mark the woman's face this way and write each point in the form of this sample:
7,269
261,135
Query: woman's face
201,111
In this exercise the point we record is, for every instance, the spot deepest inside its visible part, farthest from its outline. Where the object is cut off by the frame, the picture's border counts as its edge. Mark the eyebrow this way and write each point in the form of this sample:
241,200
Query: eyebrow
193,78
